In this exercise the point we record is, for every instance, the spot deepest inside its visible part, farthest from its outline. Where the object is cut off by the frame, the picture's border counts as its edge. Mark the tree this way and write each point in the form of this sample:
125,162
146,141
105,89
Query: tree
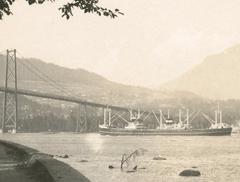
87,6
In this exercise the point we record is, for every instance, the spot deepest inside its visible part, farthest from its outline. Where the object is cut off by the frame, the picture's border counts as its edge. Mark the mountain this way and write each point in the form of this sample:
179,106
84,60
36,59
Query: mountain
35,74
217,77
55,72
93,87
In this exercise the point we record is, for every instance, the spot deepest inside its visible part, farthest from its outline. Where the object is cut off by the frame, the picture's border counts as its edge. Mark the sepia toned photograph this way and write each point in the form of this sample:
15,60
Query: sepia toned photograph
119,91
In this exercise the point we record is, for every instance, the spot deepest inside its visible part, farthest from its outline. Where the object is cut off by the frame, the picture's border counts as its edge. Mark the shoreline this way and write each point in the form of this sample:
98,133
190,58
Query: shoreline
42,166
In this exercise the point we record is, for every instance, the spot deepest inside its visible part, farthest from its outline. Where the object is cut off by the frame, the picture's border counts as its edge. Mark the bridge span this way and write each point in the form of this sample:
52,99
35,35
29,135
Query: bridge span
111,113
61,98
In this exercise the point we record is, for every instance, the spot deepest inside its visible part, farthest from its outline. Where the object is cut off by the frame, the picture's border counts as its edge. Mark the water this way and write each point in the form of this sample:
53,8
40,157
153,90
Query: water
217,158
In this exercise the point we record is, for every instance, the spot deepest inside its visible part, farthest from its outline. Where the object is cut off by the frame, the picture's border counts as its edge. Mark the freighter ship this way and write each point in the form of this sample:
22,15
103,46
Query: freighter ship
169,127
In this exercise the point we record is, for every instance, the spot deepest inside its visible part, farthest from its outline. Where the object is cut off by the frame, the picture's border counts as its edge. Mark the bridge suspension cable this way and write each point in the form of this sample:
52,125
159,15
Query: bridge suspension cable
44,77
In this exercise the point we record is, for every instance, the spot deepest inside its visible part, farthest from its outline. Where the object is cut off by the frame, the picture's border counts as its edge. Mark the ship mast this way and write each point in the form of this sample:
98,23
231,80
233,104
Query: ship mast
180,116
187,118
161,118
131,115
218,115
104,116
109,117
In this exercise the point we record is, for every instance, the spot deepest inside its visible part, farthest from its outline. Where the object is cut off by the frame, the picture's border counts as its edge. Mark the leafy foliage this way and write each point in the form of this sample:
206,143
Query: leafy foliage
87,6
5,7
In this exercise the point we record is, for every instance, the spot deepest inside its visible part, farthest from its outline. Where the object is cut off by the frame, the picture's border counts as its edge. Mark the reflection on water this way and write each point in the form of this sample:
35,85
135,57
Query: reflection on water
94,142
217,158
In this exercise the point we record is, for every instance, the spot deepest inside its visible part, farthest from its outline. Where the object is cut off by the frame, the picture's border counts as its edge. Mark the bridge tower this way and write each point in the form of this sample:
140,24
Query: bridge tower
82,125
10,107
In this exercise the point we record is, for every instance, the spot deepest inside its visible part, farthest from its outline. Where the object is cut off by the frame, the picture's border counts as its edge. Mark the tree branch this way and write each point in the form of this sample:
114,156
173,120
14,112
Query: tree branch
87,6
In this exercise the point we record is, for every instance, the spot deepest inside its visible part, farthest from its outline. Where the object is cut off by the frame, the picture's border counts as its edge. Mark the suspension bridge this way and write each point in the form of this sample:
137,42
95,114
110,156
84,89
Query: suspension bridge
10,89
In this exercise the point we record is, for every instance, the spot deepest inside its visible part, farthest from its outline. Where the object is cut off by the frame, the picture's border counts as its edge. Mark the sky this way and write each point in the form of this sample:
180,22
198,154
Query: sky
154,42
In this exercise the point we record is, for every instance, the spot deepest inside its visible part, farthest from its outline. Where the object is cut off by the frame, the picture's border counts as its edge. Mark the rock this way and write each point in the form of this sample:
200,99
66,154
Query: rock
131,171
65,156
159,158
83,160
194,166
190,172
110,167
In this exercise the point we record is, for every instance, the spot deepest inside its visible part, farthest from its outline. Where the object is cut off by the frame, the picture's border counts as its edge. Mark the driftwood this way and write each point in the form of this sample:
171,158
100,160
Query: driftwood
126,158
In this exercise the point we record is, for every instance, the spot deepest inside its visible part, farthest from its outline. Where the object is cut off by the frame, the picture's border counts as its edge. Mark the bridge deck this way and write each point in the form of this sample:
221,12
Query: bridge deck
64,98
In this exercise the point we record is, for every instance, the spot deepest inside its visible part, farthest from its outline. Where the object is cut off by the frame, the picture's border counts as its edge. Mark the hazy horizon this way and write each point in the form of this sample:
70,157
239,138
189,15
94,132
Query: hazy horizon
154,42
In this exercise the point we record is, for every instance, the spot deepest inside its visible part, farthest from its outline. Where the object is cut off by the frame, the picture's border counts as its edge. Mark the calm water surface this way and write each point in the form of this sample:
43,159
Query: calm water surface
217,158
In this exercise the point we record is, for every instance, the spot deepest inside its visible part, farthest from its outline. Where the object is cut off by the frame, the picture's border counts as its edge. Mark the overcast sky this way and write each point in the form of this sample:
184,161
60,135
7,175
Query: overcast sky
156,40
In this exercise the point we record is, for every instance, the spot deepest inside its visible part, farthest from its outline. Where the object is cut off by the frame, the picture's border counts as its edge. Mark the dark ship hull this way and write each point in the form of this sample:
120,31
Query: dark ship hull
171,132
